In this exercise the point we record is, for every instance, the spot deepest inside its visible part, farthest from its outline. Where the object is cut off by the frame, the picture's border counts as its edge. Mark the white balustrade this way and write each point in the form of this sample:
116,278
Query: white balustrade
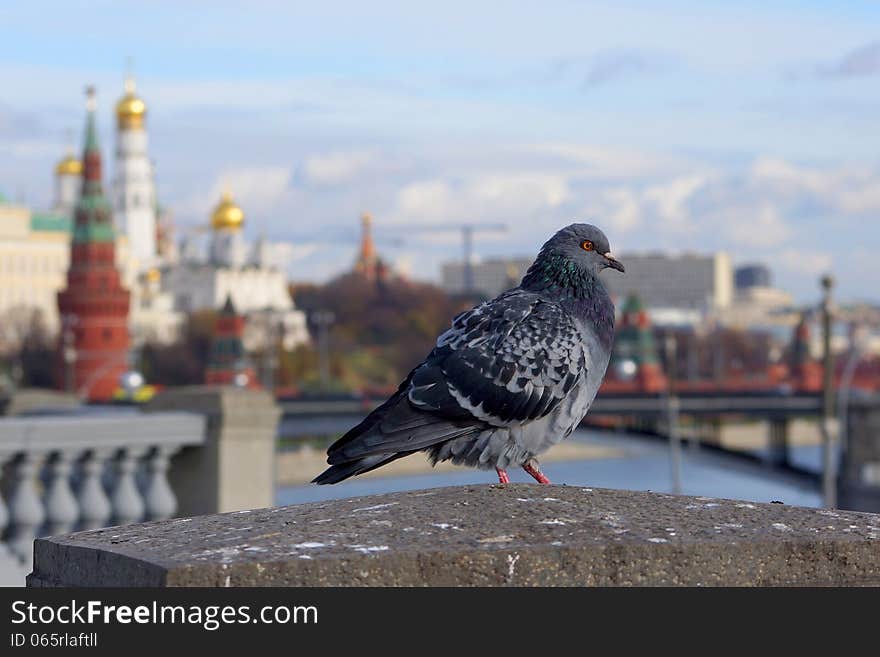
62,510
160,500
126,498
77,472
25,507
93,501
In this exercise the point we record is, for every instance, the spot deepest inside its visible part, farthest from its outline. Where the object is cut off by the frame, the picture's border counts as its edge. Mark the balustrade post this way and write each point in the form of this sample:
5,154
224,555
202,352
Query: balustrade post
128,505
93,501
25,508
62,509
777,442
159,498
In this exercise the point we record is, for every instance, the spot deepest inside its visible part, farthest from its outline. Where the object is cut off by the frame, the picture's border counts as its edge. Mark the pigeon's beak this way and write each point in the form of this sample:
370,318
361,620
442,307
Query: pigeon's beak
614,263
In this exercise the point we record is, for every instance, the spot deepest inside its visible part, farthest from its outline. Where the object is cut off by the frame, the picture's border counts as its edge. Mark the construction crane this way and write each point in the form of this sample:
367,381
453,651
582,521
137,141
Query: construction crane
467,241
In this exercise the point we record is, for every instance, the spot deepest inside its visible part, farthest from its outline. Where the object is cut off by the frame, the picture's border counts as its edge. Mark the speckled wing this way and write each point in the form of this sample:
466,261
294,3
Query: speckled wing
508,361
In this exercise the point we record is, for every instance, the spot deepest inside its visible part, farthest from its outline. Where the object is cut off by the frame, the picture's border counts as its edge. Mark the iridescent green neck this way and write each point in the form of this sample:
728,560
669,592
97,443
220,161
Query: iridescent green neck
582,293
558,276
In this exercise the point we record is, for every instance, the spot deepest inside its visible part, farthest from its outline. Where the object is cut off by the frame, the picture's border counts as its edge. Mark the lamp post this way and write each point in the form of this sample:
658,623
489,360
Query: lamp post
829,459
672,408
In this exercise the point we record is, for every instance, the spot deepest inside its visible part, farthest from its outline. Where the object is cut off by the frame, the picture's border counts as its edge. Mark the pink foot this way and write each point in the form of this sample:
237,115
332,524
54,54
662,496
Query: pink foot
532,468
503,478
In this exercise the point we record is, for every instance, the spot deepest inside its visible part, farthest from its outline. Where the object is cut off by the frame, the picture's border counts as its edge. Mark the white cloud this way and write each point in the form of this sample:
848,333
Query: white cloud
846,189
337,168
754,227
804,261
258,190
427,199
525,191
670,201
507,197
618,206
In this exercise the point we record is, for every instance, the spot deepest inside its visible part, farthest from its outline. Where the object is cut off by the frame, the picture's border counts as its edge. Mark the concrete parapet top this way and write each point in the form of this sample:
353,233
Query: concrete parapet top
516,534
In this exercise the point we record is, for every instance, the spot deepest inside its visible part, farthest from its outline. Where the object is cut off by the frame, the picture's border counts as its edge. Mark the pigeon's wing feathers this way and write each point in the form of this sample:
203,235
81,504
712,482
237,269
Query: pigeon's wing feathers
507,361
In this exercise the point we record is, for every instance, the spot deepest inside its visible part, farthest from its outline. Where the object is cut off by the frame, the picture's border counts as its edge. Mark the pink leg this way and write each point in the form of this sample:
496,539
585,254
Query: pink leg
503,478
531,466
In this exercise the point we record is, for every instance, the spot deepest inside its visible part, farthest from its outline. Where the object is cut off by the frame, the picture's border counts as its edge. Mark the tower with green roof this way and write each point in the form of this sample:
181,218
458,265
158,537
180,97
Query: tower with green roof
94,305
634,348
228,364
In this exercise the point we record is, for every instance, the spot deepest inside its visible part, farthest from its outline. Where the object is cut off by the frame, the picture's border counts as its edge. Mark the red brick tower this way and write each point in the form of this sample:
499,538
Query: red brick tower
805,371
228,364
634,346
94,304
367,261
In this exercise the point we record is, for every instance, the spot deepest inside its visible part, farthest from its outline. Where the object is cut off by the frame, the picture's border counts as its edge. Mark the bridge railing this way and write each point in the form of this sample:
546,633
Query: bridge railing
86,471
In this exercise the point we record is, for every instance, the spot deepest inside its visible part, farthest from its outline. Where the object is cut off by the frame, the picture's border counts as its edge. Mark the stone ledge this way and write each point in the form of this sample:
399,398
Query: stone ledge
518,534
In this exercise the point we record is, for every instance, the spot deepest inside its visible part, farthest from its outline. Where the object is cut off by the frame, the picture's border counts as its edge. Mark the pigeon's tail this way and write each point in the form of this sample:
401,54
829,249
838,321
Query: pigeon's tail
336,473
393,430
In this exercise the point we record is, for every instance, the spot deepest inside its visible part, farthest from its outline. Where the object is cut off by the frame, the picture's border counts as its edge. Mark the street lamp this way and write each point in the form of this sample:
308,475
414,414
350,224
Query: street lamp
829,463
626,369
131,381
671,353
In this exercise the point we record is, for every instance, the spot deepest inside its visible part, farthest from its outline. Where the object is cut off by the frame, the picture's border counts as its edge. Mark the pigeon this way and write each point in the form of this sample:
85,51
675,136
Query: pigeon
510,378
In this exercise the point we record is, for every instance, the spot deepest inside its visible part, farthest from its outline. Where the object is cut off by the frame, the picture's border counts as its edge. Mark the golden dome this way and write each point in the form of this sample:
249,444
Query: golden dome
69,166
227,215
130,109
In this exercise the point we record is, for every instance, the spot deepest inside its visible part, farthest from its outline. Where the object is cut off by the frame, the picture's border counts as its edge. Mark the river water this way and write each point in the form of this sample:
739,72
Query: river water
643,465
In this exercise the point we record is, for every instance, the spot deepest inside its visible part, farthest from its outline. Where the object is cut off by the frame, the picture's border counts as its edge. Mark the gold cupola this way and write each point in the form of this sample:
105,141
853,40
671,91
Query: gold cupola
69,166
130,109
227,215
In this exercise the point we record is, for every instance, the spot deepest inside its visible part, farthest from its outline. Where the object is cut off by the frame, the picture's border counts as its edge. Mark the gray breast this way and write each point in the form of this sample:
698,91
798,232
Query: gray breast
505,447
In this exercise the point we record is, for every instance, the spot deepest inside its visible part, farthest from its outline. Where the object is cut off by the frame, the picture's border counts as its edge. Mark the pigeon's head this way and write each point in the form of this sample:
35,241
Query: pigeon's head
585,245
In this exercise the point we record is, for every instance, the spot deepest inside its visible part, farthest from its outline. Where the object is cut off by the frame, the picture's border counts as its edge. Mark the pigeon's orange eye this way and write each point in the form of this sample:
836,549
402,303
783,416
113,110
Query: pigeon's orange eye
587,245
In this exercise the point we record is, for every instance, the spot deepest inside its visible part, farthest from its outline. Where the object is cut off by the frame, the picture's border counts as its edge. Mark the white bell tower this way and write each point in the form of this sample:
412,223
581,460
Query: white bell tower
68,184
134,191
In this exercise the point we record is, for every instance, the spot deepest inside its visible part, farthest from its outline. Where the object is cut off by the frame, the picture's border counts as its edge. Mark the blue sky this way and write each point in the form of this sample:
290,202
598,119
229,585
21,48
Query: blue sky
749,126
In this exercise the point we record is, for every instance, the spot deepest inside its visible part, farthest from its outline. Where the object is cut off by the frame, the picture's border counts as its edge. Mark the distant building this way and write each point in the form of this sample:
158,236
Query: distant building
491,276
806,372
759,307
256,286
34,256
134,192
748,276
153,317
35,245
228,363
368,263
634,358
682,289
68,180
94,303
